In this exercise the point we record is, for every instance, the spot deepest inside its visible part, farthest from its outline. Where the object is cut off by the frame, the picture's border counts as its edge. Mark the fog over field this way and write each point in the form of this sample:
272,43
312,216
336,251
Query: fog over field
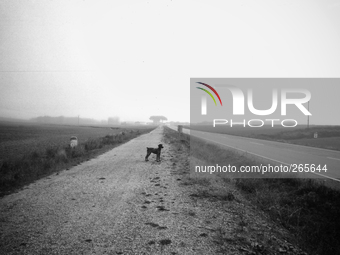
134,59
107,137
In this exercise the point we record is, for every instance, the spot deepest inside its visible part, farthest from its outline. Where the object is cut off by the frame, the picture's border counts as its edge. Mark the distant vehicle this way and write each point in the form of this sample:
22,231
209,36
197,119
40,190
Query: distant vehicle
73,141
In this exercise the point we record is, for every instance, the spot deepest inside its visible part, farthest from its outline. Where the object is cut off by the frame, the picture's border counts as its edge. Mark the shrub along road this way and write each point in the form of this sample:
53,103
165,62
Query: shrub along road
119,204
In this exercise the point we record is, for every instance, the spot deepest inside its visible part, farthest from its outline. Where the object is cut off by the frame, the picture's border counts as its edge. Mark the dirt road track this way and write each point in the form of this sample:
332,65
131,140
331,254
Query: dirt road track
114,204
119,204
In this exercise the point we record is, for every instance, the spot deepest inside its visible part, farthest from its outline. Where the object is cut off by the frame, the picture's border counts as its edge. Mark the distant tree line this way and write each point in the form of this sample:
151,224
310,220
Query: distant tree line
61,120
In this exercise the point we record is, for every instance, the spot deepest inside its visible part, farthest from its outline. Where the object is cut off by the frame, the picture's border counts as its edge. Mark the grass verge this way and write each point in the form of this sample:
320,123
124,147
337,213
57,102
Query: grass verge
308,209
15,174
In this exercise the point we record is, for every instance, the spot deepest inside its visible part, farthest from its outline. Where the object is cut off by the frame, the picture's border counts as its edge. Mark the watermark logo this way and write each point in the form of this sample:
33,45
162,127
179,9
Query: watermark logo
243,103
204,99
209,92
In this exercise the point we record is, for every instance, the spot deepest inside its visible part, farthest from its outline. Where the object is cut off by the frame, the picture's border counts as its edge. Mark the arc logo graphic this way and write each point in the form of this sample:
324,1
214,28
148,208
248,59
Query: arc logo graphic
204,101
209,92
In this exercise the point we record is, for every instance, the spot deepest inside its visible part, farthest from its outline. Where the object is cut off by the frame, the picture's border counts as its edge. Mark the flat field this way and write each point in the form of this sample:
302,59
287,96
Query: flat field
19,139
30,151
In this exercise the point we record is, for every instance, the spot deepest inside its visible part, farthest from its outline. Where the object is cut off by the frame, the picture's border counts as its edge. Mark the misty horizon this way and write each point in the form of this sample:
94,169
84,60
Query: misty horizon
100,59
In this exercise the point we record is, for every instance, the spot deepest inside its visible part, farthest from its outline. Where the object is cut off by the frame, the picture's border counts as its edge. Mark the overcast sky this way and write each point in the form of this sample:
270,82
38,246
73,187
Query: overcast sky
134,59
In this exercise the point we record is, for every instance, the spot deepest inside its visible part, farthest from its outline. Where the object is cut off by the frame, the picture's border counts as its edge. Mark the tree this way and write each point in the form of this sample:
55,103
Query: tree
157,119
113,121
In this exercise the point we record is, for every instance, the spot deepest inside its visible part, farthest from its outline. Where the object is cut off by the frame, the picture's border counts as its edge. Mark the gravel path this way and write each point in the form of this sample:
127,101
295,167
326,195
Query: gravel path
114,204
119,204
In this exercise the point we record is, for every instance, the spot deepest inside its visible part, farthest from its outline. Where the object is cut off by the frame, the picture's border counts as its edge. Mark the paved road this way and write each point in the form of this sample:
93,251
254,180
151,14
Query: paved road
282,153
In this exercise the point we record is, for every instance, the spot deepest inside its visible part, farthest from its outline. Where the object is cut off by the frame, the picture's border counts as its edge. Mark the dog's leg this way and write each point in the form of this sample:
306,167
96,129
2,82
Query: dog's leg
158,156
147,155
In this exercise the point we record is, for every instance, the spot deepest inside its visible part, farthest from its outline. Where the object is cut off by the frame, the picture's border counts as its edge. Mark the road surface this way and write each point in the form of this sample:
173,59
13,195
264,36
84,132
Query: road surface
280,153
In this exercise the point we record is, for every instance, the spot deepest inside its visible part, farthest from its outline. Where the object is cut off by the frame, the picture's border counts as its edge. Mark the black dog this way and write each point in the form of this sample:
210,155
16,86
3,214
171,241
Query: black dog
155,151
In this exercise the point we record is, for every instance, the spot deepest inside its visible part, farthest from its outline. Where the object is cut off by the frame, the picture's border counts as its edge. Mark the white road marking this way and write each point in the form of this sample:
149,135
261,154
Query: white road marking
256,143
334,158
334,179
270,141
247,151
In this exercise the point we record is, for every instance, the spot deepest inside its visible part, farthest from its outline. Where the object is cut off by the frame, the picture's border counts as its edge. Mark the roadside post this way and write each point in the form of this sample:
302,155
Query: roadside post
73,141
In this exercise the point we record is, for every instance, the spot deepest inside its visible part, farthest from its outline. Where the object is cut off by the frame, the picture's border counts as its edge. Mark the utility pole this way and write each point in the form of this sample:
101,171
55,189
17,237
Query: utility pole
79,115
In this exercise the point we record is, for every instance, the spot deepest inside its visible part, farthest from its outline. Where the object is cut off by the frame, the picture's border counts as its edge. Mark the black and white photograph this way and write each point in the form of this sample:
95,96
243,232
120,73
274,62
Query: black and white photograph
169,127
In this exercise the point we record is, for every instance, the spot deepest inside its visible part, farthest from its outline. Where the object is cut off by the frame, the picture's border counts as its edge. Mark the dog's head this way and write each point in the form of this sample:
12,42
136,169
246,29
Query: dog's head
160,146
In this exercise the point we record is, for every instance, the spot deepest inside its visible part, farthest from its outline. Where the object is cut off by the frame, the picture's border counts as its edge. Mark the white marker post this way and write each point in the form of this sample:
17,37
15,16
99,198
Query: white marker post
73,141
